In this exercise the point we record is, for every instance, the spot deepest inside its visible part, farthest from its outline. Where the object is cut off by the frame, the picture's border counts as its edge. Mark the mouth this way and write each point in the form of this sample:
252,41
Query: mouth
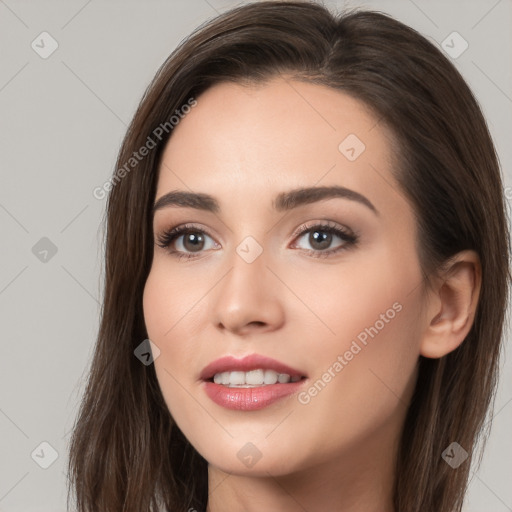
250,383
251,371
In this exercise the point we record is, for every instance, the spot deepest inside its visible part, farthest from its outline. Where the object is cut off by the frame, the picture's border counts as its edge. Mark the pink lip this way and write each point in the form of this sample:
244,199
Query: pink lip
248,399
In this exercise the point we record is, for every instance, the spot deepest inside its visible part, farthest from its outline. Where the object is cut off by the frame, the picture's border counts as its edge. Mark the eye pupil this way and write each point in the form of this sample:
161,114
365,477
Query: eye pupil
196,239
320,237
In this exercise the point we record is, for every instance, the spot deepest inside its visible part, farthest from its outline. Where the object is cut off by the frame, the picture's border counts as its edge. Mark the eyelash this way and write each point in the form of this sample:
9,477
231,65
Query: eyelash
168,237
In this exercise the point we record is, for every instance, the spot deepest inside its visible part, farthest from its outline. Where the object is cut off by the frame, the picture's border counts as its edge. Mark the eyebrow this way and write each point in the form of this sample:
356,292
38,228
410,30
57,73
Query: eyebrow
284,201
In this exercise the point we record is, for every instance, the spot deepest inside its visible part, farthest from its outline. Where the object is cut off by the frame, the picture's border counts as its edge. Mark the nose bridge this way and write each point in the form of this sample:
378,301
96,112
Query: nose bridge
246,282
247,294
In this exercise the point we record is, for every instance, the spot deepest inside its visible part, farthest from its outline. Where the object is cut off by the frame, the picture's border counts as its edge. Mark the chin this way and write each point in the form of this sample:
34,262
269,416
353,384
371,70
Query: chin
249,460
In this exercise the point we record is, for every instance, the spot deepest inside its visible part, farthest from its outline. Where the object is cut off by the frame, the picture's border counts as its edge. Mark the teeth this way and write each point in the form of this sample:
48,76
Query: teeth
271,377
253,378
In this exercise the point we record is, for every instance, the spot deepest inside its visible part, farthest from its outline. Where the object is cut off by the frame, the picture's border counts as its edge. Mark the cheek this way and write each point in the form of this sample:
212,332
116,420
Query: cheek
371,334
169,316
364,376
169,302
151,305
350,297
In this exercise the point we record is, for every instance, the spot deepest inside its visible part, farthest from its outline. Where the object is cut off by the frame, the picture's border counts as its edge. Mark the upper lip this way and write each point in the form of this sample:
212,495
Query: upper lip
247,363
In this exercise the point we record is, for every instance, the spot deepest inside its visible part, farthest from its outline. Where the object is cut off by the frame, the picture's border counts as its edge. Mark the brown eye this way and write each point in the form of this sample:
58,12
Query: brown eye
193,241
322,236
320,239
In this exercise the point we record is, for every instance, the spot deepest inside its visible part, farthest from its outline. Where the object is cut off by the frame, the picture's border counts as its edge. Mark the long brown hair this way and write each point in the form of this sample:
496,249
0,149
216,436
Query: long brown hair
126,452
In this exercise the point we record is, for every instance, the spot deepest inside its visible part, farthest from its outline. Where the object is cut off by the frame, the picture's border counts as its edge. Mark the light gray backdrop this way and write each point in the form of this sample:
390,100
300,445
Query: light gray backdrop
64,110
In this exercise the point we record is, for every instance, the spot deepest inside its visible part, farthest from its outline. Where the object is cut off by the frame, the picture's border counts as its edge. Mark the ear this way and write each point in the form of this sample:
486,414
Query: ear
452,310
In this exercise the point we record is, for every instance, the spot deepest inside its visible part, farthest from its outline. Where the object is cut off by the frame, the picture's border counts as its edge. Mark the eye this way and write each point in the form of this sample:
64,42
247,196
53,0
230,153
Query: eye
185,241
321,236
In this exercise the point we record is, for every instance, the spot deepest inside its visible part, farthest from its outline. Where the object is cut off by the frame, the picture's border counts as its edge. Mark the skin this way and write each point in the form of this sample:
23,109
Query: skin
244,145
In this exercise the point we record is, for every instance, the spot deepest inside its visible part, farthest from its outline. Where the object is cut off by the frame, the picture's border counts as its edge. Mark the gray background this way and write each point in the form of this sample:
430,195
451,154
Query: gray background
62,120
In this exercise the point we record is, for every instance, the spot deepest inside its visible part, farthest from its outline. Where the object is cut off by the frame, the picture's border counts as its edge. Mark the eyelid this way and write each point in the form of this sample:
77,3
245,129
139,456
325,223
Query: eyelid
324,223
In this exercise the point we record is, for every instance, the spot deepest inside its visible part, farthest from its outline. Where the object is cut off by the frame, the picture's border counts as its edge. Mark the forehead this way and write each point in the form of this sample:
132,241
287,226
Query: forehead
282,134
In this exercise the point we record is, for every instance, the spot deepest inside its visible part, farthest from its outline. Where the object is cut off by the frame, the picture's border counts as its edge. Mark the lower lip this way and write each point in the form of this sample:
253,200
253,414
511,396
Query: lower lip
249,399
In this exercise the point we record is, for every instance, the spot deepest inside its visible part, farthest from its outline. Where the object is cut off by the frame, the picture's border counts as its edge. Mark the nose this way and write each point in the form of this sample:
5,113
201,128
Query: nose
248,298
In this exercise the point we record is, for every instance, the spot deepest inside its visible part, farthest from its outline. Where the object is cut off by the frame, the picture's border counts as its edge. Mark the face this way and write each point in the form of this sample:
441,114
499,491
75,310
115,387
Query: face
321,286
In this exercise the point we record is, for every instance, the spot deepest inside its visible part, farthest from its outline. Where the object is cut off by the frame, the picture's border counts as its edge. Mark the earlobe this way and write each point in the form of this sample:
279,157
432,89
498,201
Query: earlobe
452,314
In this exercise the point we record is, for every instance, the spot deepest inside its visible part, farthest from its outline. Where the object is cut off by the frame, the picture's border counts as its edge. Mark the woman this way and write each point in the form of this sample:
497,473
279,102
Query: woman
307,221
